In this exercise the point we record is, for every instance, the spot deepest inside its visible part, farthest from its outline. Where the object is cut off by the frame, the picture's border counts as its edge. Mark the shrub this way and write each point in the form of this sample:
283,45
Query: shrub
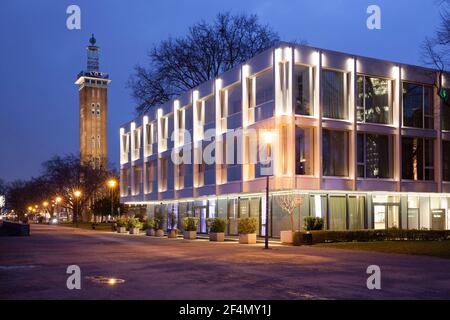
190,223
217,225
159,221
134,223
122,222
313,223
247,225
373,235
151,223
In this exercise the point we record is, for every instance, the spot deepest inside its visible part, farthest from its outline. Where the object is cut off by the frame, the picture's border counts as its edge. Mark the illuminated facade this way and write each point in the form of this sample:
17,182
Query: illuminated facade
364,142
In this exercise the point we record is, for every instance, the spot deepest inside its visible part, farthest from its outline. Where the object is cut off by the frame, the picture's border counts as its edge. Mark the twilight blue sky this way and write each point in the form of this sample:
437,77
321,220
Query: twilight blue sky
40,58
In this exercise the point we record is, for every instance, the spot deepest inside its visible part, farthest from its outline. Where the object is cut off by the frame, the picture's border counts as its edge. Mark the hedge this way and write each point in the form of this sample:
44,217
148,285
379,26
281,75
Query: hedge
372,235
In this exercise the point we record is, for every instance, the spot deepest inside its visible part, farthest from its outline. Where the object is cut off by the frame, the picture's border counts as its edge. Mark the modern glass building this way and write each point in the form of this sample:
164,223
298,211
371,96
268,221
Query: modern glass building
364,142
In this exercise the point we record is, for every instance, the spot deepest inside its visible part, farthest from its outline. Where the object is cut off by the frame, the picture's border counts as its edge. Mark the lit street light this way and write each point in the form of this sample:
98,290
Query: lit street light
112,183
77,194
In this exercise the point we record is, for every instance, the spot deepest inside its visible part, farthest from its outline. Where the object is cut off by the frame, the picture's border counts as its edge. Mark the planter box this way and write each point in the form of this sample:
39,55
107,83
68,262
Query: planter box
287,237
190,235
217,236
134,230
122,230
150,232
249,238
159,233
172,233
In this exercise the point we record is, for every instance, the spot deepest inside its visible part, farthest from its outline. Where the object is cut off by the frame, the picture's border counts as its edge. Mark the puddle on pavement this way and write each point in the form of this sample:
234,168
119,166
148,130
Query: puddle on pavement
16,267
106,280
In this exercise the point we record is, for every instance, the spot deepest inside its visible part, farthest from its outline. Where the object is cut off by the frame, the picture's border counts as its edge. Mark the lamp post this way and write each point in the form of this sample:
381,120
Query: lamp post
77,194
268,139
57,201
112,183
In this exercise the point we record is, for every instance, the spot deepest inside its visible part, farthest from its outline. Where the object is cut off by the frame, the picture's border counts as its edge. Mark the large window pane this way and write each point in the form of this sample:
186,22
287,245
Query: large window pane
446,160
334,94
374,156
412,105
412,158
303,84
335,153
356,212
304,152
418,110
445,114
264,91
234,99
338,209
374,103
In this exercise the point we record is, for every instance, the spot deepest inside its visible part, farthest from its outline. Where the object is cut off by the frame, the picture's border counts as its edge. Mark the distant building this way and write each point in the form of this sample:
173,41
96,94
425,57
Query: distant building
364,142
93,88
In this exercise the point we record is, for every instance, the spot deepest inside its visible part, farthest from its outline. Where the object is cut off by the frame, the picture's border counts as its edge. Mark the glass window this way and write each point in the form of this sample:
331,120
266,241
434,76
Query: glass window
234,99
445,113
413,212
335,153
356,212
374,156
303,90
338,210
417,105
374,100
264,90
334,94
446,160
209,110
417,159
304,152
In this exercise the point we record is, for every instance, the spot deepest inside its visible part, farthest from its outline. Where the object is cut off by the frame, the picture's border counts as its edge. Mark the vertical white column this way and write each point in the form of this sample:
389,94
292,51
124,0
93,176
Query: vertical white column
352,68
397,116
438,142
318,163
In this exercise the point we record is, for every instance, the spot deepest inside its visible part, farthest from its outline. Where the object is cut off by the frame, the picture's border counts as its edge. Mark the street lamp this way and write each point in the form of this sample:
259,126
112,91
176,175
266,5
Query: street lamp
112,183
77,194
268,139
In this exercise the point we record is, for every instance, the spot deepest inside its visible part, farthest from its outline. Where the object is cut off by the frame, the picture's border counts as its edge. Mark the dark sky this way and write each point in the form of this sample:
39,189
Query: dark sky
40,57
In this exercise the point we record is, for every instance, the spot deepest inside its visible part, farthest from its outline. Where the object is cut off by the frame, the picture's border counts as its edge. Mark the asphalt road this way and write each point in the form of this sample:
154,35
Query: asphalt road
35,268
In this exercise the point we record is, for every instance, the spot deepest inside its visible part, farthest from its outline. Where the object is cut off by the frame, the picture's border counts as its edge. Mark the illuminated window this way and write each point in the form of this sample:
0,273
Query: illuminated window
374,100
417,106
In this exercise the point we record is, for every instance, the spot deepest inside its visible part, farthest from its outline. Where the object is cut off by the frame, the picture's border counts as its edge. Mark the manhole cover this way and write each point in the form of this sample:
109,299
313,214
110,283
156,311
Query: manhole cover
106,280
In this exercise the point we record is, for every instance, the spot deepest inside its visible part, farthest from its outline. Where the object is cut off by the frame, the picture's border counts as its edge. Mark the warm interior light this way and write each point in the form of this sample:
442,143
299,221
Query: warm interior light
77,193
45,203
112,281
58,199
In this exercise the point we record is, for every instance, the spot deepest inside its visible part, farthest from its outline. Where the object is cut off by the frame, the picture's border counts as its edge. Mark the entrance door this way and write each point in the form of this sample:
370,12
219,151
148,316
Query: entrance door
386,216
438,219
201,214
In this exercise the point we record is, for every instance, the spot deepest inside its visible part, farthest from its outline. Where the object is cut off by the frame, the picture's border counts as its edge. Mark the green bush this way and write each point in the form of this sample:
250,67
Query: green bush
247,225
373,235
122,222
134,223
190,223
217,225
150,223
159,220
313,223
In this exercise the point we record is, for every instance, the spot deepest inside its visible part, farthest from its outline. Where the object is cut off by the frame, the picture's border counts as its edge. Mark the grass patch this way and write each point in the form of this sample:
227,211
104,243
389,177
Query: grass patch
88,225
440,249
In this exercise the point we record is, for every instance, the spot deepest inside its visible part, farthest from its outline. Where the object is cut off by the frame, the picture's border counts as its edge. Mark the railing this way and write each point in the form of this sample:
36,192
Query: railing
124,157
135,154
148,150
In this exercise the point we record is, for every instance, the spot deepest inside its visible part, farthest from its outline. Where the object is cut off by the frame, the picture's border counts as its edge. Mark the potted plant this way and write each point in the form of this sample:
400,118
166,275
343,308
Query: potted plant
288,203
311,223
247,230
159,224
122,224
190,228
150,227
217,228
173,231
135,225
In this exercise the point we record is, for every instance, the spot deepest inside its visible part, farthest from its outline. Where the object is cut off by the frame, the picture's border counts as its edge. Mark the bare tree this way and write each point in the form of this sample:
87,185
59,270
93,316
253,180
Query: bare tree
288,203
436,50
209,49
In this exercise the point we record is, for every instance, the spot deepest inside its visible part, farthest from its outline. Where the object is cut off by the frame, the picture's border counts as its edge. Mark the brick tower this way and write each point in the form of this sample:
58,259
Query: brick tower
93,91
